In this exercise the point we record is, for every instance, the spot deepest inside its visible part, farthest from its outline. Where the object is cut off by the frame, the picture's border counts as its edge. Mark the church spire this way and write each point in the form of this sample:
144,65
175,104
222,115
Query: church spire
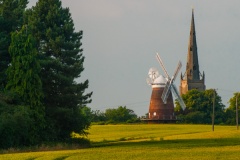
192,78
192,68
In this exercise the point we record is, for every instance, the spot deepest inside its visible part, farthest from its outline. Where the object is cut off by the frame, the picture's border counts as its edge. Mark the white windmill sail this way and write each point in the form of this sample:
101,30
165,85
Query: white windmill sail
179,98
169,84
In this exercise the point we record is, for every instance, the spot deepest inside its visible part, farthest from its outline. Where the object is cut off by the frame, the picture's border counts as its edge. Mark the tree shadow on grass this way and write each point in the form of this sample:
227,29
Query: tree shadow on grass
61,158
179,143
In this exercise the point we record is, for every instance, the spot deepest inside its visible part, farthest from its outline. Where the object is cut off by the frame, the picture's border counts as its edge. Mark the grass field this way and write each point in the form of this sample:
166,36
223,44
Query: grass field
150,142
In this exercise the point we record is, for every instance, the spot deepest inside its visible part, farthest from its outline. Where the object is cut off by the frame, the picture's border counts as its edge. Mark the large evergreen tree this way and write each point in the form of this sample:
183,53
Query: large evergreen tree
61,61
11,19
23,73
23,80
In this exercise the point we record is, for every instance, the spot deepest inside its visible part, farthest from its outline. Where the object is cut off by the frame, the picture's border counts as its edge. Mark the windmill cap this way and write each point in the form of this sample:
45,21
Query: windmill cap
159,82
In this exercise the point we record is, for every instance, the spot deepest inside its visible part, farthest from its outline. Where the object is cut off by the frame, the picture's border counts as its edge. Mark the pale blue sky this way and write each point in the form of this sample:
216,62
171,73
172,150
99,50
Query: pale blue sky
121,38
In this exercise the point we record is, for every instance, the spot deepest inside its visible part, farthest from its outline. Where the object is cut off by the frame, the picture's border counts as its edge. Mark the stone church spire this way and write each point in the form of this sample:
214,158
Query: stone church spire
192,78
192,68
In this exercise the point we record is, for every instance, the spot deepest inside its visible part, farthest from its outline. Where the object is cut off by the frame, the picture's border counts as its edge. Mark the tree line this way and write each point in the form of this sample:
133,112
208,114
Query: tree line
41,57
199,108
118,115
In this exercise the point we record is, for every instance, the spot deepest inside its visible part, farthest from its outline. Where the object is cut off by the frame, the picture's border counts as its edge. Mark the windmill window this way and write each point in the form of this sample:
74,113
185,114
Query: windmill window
154,113
190,48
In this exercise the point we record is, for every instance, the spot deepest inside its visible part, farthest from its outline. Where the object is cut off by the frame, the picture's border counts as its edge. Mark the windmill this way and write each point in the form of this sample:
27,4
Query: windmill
170,86
159,112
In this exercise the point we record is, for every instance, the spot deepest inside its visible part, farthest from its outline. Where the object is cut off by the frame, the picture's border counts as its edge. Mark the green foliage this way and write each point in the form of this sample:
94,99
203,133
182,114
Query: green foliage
11,19
232,101
15,127
18,123
114,116
23,73
98,116
23,79
61,61
196,117
120,115
66,120
42,59
61,58
200,107
230,114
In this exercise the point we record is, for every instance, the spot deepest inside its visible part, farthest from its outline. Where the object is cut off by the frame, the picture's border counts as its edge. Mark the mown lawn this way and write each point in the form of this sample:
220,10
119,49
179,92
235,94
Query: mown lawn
150,142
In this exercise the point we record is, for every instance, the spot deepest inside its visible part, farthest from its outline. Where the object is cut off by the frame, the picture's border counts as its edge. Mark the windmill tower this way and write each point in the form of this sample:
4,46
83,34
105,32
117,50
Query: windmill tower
192,78
161,107
159,112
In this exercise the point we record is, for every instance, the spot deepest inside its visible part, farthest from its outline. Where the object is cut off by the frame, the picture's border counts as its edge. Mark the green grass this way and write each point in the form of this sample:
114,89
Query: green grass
150,142
157,132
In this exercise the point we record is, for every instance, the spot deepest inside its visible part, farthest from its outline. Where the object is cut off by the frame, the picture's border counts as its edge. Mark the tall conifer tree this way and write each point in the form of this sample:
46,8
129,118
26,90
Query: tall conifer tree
11,19
61,61
60,52
23,79
23,73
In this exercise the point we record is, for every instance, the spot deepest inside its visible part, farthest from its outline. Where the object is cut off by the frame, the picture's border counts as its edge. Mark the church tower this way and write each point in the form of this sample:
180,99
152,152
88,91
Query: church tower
192,78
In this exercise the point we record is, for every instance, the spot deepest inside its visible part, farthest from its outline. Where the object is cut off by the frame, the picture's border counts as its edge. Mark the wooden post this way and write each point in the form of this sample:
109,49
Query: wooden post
237,111
213,110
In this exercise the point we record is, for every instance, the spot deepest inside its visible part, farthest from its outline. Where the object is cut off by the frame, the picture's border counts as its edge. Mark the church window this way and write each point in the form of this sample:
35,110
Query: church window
194,67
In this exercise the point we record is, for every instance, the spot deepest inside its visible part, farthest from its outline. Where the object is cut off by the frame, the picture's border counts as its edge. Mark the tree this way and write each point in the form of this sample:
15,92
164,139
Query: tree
16,127
98,116
200,104
11,19
195,117
17,123
61,62
232,101
231,110
23,73
23,78
119,115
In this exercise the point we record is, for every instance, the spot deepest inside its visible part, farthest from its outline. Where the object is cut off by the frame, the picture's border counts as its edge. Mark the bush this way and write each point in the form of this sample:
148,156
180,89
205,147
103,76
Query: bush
120,115
195,118
63,121
16,127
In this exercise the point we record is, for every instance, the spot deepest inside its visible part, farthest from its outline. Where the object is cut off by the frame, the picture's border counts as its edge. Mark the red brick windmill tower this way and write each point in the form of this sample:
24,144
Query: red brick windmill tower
161,107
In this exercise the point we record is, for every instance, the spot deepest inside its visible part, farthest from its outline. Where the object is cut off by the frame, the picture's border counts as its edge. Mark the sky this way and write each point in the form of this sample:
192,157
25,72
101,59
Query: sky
121,38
